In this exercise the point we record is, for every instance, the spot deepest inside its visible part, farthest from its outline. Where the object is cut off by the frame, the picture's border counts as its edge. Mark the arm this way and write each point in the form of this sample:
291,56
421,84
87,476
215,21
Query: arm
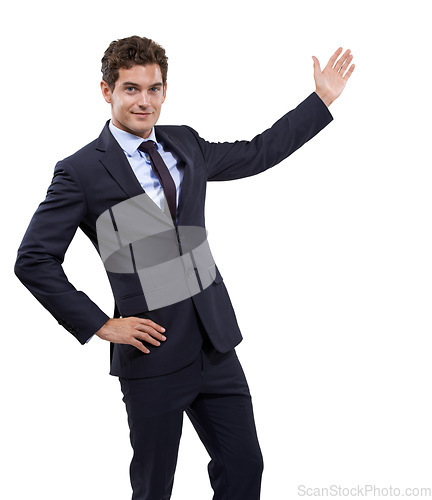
39,268
42,251
227,161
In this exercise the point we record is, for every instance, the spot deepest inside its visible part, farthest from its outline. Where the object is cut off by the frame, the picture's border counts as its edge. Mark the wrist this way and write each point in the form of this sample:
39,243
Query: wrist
326,98
102,330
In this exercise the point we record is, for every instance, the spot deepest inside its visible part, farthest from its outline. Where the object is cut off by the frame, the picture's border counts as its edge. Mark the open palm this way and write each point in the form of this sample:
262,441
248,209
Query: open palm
331,81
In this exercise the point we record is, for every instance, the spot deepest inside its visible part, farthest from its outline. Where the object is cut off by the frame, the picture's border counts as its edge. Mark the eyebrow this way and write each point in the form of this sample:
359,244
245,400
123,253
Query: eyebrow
132,84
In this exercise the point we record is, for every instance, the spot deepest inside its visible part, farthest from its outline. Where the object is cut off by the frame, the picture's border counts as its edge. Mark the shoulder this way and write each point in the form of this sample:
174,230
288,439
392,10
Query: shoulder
87,157
180,134
177,131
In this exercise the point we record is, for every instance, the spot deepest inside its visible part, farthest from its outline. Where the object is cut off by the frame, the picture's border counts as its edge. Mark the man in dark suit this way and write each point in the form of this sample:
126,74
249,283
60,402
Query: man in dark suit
138,193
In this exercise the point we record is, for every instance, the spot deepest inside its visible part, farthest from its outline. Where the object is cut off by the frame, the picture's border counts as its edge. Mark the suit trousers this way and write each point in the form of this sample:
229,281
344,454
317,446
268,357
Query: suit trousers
215,396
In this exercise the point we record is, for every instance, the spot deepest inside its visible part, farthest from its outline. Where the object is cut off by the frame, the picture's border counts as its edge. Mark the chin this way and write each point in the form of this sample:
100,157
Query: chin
142,125
137,128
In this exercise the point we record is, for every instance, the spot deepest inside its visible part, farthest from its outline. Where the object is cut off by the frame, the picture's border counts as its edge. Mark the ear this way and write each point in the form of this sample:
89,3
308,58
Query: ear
164,91
106,91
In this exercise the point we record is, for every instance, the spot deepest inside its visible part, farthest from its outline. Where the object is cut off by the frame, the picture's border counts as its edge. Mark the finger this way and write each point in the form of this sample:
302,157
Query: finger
149,331
147,338
151,323
333,58
139,345
317,67
342,60
346,64
349,72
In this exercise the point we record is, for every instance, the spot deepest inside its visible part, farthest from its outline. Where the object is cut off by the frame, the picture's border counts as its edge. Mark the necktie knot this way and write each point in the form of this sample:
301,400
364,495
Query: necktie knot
147,146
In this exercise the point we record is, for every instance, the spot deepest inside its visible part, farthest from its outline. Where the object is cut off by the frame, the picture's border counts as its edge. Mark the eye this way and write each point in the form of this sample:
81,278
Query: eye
155,89
130,89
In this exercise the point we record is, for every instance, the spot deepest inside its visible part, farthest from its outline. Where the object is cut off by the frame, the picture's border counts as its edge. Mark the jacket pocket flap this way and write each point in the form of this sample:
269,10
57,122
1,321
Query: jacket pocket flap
132,304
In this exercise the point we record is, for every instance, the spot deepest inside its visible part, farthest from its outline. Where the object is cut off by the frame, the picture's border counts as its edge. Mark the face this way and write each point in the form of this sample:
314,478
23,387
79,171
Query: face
137,98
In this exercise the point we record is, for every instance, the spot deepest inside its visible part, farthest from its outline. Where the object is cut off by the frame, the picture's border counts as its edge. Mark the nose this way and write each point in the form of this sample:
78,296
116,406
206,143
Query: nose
144,100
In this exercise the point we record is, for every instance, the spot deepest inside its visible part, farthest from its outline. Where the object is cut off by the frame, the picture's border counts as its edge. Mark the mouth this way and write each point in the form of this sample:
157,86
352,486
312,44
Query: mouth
141,114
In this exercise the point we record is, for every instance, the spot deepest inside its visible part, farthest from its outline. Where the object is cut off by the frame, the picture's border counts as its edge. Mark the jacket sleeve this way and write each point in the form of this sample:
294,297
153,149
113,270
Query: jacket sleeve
228,161
42,251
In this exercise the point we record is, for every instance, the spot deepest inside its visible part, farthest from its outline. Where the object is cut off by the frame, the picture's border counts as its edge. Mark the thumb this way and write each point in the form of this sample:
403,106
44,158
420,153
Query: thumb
317,67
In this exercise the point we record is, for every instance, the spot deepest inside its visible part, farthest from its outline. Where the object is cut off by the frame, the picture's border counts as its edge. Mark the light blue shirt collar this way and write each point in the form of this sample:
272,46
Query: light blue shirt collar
129,142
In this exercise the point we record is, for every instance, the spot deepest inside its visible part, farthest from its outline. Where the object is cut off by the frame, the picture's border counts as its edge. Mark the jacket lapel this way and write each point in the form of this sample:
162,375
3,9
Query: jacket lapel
115,161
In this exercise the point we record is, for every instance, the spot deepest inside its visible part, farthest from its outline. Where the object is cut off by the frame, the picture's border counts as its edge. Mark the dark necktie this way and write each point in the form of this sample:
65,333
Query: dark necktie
162,173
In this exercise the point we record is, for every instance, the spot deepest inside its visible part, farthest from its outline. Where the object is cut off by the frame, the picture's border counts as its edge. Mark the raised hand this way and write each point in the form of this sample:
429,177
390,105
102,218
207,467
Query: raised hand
331,81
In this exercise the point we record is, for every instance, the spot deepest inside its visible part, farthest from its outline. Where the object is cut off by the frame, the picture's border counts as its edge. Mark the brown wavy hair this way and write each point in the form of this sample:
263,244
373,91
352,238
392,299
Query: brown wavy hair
128,52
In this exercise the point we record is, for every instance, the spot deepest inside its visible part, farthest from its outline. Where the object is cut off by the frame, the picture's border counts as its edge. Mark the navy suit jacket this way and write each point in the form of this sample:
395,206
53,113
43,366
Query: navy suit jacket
98,177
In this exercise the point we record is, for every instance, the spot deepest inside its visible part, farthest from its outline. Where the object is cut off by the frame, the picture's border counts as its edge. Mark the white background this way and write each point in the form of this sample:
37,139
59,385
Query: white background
327,257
